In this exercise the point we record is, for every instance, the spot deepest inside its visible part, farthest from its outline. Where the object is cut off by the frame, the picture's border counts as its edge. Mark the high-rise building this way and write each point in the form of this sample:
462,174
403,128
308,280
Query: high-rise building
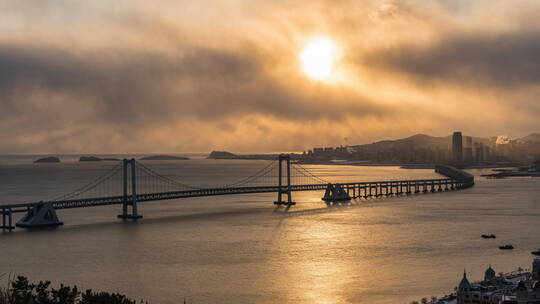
468,150
479,152
457,147
468,141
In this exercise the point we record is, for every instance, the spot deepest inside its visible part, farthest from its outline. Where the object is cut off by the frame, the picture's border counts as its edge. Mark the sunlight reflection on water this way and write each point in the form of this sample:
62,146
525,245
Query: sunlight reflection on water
239,249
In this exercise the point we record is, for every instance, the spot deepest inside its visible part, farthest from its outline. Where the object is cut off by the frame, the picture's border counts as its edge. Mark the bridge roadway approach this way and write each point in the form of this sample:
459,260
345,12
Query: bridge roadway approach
41,214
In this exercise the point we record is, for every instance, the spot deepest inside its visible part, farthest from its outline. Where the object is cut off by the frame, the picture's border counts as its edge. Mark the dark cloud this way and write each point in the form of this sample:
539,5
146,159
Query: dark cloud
73,92
505,60
107,78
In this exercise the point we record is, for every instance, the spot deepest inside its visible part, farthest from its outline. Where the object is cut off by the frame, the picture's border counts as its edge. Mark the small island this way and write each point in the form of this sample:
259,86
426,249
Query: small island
229,155
222,155
89,158
94,158
164,157
50,159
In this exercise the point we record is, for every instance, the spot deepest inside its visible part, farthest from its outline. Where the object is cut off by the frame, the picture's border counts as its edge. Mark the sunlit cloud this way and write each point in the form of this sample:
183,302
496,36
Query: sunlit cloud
135,76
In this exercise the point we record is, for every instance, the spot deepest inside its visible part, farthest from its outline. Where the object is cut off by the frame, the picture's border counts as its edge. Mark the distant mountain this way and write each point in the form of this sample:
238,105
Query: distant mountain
418,141
529,139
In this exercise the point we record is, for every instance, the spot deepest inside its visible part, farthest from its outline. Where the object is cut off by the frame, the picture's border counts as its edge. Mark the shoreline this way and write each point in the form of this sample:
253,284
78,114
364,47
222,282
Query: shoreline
403,165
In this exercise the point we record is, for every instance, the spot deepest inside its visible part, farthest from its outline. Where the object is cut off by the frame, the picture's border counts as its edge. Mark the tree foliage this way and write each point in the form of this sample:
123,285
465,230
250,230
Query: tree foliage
21,291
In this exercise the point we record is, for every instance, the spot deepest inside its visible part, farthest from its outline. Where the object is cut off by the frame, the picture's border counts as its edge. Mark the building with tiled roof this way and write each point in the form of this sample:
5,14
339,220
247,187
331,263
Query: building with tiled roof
517,288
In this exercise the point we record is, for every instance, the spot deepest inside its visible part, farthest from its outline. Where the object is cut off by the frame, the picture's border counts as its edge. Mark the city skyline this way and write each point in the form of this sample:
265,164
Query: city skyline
134,77
457,148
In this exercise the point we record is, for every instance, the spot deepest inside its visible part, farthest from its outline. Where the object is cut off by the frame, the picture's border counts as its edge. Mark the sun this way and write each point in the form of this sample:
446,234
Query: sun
318,58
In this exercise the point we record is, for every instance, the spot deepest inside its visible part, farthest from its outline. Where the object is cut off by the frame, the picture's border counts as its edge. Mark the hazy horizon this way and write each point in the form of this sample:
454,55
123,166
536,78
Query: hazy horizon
88,77
232,151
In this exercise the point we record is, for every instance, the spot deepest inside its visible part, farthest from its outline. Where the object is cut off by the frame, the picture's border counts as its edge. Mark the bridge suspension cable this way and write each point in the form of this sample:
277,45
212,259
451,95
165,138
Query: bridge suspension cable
305,172
112,182
164,178
100,180
261,173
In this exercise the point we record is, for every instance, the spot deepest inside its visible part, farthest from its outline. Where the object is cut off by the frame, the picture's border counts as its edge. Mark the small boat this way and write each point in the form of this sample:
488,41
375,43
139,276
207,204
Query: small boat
536,252
489,236
506,247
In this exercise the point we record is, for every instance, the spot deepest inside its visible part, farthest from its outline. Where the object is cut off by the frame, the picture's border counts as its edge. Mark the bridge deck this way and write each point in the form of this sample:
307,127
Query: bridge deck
145,197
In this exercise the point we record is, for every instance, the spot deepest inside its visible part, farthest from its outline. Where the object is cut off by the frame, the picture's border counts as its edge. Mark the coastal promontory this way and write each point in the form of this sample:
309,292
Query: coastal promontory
89,158
50,159
229,155
222,155
94,158
164,157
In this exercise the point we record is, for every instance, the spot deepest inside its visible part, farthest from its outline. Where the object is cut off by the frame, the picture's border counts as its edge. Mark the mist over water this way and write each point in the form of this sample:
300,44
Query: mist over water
240,249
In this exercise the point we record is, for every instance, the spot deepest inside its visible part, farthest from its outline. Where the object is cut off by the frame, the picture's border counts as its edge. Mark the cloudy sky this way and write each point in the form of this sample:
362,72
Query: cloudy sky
185,76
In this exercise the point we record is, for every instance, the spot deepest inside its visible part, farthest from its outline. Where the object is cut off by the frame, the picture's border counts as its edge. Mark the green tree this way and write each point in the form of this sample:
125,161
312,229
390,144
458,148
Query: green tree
104,298
21,291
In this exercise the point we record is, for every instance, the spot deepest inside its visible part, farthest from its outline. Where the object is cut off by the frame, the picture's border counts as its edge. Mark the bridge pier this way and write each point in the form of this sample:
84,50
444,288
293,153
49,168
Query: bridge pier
126,201
335,193
284,190
41,215
7,219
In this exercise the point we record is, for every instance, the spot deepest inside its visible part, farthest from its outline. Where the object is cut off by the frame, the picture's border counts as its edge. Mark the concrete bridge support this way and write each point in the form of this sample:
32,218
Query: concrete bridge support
369,194
284,158
41,215
7,219
129,200
335,193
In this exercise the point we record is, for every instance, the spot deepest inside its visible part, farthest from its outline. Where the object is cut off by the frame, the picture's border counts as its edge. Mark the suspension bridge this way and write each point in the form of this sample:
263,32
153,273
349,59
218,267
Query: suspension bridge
131,182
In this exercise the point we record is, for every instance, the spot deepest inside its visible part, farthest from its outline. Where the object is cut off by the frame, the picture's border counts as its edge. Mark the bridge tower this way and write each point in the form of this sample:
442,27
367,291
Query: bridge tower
284,189
129,200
